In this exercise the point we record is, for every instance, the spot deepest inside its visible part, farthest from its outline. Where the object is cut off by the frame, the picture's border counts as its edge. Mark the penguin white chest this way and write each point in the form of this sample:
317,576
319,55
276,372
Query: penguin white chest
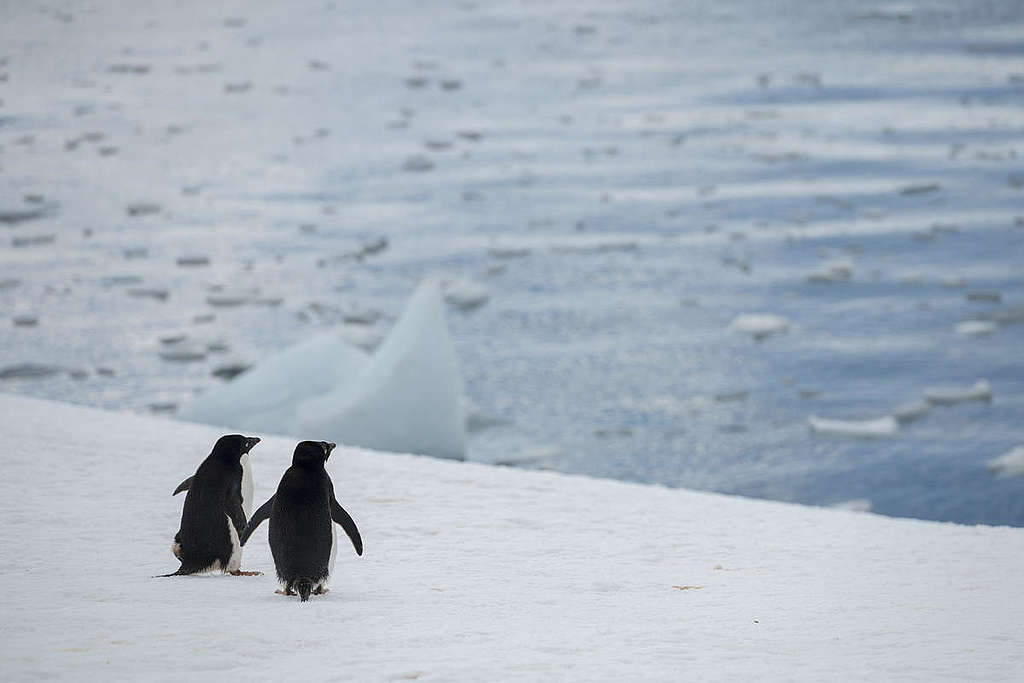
247,486
235,561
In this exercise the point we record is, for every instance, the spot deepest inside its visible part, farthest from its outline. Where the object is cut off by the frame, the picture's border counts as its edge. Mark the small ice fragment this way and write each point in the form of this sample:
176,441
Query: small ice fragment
952,282
536,456
29,371
837,271
759,324
908,412
976,328
855,505
863,429
1010,464
183,354
979,391
465,295
508,252
193,261
982,295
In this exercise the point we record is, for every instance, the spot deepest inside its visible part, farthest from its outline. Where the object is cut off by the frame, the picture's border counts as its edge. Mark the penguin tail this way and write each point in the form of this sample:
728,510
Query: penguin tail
177,573
182,571
304,586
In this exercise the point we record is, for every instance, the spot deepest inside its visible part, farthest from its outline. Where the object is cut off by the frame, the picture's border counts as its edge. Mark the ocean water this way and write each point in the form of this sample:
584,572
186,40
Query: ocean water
184,190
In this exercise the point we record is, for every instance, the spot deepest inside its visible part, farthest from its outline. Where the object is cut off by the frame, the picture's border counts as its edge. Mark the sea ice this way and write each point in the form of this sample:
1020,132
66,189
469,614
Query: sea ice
759,324
409,398
465,294
837,271
979,391
1010,463
864,429
908,412
976,328
854,505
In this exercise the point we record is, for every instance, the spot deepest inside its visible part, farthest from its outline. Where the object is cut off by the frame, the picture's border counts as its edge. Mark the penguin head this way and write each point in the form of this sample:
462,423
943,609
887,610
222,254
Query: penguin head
312,452
234,446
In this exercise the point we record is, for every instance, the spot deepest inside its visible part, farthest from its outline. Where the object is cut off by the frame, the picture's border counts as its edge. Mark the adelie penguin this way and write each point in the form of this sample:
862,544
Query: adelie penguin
213,517
302,538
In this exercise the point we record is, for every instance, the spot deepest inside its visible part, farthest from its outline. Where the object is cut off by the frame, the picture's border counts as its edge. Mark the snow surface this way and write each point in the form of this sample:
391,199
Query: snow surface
475,572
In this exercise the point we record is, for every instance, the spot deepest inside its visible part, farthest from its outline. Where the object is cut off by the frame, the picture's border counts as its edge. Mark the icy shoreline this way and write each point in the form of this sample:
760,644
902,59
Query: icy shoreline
474,572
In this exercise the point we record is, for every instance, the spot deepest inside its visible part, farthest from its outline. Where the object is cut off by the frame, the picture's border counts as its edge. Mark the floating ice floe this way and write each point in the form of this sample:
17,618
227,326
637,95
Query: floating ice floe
979,391
863,429
759,324
465,295
408,398
976,328
1009,464
854,505
908,412
836,271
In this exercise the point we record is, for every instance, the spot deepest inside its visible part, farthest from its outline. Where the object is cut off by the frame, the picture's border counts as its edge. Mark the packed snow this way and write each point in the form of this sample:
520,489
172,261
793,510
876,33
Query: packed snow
472,572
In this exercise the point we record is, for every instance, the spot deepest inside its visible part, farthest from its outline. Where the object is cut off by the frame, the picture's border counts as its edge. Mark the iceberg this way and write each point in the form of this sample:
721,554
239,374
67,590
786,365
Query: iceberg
408,399
265,398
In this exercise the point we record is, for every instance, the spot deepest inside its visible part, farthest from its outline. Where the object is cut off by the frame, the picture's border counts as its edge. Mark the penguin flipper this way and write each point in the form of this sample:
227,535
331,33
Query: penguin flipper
339,515
256,519
184,486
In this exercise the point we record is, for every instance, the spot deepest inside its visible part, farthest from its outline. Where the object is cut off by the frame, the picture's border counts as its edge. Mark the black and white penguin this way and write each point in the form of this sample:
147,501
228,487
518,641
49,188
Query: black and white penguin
302,538
212,518
247,486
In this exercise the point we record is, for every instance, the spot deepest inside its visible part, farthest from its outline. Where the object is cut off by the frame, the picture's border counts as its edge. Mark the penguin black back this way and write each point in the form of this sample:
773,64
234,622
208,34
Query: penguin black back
212,517
301,512
300,522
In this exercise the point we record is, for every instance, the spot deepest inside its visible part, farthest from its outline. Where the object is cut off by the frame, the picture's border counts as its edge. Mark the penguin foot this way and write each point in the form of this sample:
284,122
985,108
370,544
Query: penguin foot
239,572
321,590
284,592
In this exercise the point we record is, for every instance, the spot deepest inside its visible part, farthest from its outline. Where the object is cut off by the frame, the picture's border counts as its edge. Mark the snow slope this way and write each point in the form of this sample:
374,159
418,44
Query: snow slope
473,572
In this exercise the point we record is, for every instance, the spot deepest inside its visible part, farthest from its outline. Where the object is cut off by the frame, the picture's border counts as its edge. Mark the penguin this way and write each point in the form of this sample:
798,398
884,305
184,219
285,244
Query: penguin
247,486
212,518
302,538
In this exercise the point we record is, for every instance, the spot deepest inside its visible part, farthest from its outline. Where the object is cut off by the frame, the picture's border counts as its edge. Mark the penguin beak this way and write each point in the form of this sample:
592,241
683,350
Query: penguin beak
251,441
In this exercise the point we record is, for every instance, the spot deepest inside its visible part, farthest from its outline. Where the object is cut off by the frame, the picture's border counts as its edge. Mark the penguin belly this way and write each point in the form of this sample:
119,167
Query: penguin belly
235,559
247,486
